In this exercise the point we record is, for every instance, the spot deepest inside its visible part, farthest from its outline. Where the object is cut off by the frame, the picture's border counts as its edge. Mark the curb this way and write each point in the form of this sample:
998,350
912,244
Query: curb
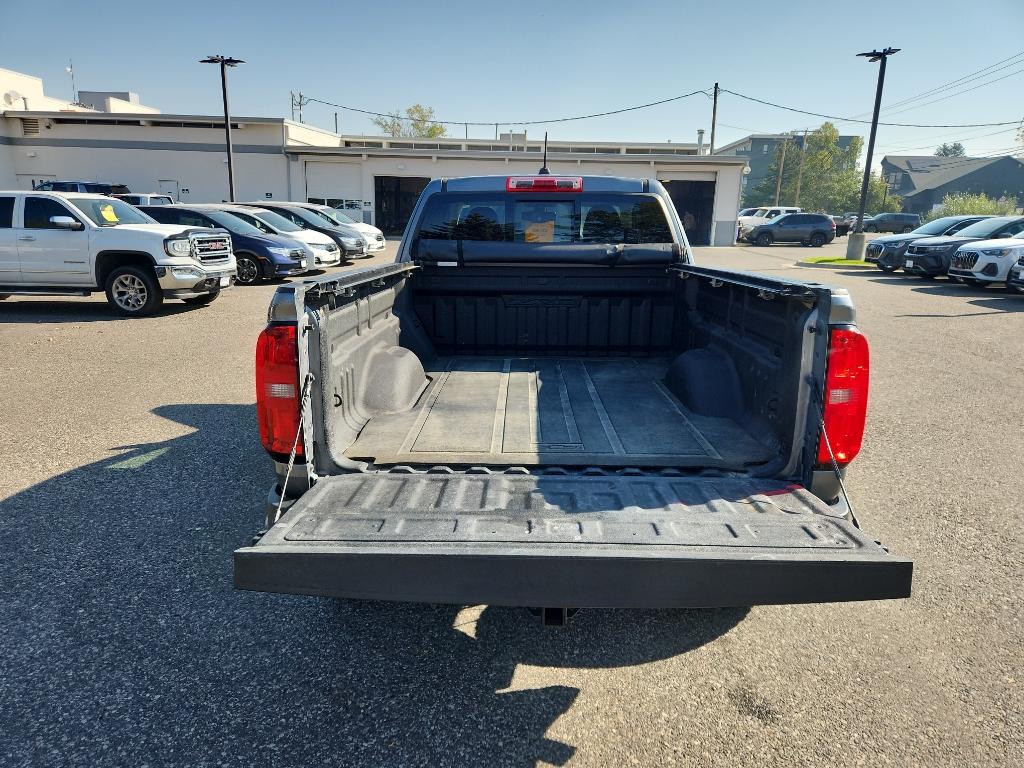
833,266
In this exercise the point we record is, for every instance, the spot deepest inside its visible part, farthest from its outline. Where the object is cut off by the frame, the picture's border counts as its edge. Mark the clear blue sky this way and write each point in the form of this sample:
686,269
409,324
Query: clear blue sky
535,60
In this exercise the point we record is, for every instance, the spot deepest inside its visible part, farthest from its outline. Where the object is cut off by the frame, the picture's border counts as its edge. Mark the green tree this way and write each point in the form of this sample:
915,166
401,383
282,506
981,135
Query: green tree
418,123
830,180
964,203
956,149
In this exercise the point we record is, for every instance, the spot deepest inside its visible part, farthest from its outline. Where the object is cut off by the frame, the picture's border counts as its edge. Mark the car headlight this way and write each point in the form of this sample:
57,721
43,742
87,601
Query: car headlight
178,246
352,242
184,273
324,246
285,252
999,252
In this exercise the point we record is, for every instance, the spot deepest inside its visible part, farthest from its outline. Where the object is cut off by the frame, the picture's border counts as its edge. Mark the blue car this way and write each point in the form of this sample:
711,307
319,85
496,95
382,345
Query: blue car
260,256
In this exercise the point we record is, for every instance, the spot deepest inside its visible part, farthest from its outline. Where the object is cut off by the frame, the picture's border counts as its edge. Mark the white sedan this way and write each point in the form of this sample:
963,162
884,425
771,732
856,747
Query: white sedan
986,261
374,237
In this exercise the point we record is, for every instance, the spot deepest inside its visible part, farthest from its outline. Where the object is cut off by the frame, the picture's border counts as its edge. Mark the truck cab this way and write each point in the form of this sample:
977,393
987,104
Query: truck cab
76,243
545,403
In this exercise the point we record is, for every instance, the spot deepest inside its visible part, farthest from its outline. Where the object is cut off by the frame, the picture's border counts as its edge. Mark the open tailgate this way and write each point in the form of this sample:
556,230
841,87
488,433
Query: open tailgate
555,540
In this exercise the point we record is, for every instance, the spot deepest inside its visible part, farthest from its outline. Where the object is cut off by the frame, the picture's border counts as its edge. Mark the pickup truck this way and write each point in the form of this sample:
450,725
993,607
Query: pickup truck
545,403
73,244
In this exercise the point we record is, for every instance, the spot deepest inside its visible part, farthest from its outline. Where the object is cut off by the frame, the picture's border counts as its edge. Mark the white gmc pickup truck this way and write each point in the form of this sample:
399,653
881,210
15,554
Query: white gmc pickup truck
74,244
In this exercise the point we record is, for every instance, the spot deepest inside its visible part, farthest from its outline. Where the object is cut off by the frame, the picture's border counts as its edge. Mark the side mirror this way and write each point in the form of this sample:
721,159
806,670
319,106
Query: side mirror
1005,234
66,222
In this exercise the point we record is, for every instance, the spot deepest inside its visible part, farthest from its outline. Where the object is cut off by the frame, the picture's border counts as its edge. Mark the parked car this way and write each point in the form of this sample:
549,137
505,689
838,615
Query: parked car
374,237
887,253
326,252
931,256
259,255
843,226
91,187
148,198
349,239
892,222
1015,279
365,380
987,261
814,229
75,244
746,212
765,213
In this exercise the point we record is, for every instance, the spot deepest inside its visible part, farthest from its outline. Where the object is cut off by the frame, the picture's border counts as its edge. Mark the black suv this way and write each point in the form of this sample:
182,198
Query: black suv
892,222
805,228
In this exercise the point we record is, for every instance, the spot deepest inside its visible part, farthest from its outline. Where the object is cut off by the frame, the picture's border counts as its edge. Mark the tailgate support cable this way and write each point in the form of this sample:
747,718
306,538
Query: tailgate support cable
839,475
310,378
816,397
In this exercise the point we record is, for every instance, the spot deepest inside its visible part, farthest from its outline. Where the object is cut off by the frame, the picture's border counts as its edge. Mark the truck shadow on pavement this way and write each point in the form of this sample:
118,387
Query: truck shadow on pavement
125,642
64,311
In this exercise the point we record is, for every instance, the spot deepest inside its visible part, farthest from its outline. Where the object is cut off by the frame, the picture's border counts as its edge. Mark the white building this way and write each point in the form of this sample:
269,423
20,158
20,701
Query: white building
377,178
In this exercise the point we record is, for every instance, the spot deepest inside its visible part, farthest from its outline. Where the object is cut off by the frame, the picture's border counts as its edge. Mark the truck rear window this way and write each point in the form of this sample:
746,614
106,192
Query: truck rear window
532,218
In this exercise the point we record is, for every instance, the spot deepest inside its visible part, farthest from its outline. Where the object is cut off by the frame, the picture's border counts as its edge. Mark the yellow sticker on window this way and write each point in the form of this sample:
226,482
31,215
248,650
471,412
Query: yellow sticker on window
540,232
107,212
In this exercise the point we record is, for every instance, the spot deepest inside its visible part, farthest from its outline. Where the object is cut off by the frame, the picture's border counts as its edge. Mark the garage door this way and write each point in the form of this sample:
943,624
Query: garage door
333,180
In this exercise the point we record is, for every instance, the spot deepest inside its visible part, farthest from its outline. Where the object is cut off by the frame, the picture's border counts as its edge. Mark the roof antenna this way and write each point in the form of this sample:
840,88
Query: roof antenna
544,168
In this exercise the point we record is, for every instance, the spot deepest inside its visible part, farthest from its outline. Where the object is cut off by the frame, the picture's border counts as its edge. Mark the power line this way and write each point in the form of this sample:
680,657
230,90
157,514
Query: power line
991,69
969,77
853,120
946,137
957,93
515,122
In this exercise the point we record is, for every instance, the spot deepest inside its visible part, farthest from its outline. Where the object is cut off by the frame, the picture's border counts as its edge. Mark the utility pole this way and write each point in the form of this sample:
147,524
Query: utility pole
782,167
298,102
225,62
335,122
714,120
800,172
70,69
855,245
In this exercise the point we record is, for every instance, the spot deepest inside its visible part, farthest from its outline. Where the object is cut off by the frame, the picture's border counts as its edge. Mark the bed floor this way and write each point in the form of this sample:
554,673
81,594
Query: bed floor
549,410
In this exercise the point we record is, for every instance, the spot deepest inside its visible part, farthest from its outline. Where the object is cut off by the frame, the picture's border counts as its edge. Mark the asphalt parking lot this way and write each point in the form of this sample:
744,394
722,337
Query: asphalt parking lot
132,469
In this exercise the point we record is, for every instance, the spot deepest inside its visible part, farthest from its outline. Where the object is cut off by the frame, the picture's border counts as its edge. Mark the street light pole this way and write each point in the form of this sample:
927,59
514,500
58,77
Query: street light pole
225,62
855,246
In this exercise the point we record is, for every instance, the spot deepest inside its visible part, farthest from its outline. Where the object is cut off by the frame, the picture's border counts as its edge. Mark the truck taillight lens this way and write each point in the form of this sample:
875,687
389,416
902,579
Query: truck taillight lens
277,390
846,395
544,184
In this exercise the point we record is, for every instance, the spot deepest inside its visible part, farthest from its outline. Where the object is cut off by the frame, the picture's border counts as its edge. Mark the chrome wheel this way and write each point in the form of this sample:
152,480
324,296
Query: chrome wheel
130,292
247,271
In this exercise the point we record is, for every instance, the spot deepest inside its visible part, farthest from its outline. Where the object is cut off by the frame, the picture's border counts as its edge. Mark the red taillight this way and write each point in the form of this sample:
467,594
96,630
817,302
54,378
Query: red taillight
544,184
277,390
846,395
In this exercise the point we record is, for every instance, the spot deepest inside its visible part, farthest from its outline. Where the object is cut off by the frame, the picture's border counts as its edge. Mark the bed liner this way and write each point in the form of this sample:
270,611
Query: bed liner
565,411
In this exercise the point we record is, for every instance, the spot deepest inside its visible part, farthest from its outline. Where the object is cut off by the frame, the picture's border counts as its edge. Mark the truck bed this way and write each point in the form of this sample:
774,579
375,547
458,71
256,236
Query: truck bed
551,410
